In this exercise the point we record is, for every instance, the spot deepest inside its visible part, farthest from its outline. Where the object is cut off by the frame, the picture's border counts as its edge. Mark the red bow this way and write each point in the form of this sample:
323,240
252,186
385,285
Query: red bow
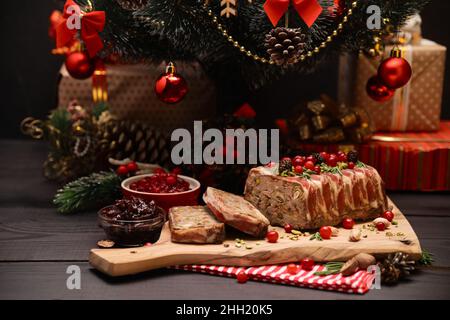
90,23
309,10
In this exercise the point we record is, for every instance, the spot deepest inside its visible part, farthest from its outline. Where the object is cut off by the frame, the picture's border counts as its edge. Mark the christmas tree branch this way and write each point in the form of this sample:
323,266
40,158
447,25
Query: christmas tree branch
88,193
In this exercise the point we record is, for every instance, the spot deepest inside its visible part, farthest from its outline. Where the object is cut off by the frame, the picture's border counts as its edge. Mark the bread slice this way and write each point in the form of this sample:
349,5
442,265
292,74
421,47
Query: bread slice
236,212
195,224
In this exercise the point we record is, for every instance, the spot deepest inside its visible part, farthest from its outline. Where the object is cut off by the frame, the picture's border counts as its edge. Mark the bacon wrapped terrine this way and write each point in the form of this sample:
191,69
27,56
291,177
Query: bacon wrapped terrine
323,199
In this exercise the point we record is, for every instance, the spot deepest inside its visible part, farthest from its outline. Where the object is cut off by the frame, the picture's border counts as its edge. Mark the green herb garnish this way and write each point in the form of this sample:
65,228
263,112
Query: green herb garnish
316,236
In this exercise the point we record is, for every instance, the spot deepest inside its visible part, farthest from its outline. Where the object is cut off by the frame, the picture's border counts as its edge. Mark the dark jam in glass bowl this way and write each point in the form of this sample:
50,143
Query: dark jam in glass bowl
132,222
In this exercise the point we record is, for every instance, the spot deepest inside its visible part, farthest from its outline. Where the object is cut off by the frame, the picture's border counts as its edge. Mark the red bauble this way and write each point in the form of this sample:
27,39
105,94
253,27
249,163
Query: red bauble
394,72
79,65
170,86
378,91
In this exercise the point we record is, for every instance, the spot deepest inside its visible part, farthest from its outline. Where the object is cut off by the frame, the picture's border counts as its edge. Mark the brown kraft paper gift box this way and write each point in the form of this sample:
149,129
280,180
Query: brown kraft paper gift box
131,94
415,107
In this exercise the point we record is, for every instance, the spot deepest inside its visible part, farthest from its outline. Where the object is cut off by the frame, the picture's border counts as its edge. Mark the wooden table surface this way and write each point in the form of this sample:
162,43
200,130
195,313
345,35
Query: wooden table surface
37,245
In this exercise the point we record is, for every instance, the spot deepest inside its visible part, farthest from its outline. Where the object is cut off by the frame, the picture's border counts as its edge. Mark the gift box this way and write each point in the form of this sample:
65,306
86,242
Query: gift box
411,161
416,106
131,94
417,161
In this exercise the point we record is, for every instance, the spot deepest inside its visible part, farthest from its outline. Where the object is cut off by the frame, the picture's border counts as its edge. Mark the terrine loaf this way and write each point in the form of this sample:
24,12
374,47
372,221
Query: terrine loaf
236,212
195,225
324,199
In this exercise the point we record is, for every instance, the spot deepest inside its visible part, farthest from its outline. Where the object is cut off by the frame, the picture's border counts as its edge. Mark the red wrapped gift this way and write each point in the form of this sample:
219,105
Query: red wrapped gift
411,161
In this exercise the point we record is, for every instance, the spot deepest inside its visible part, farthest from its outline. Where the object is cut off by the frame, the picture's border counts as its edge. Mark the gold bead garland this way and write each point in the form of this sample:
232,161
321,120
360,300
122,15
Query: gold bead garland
303,57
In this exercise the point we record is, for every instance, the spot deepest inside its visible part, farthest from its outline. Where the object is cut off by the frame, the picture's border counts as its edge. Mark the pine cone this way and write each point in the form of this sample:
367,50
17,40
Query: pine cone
318,158
285,165
285,45
352,156
395,267
120,139
132,5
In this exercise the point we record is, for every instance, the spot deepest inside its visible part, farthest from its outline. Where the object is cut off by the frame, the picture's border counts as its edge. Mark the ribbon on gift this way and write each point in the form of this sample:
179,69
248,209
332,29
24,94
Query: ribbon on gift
308,10
89,23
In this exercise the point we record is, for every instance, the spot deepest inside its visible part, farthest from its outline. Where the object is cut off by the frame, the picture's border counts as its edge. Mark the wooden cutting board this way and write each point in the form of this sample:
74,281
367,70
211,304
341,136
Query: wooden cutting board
120,262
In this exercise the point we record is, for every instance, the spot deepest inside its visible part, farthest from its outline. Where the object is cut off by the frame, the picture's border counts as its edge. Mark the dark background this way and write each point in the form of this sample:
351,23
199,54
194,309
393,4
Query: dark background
29,73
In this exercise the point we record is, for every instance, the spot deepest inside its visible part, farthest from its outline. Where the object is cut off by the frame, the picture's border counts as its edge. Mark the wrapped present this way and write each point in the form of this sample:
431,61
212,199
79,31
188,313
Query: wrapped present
411,161
416,106
131,95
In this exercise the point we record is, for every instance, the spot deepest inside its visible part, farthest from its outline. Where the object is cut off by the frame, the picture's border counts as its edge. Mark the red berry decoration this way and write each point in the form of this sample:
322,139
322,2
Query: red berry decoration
170,87
325,232
292,268
148,244
307,264
298,161
342,157
122,170
309,165
311,158
350,165
378,91
395,72
332,160
171,180
325,156
272,236
317,169
380,226
348,223
132,167
79,65
242,277
288,228
298,169
176,170
388,215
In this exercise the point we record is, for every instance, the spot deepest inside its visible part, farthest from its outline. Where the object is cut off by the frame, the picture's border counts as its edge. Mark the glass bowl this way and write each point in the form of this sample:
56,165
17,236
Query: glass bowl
132,233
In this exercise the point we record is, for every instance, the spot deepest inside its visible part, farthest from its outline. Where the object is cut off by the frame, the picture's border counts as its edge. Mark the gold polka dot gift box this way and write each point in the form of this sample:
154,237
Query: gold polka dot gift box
414,107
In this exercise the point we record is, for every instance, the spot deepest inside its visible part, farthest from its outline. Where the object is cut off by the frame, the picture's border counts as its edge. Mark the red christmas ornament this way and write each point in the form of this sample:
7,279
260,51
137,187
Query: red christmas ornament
394,72
79,65
170,86
378,91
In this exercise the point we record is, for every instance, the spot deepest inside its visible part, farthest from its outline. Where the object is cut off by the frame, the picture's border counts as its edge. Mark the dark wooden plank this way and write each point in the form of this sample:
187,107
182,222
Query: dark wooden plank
40,280
422,203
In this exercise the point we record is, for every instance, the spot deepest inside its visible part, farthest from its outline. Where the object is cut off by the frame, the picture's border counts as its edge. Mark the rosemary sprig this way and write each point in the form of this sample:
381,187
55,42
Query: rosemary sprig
360,164
316,236
426,259
330,268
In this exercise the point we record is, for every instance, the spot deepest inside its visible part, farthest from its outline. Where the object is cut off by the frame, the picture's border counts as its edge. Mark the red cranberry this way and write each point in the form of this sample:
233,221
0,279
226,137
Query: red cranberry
311,158
309,165
332,161
350,165
132,167
298,169
325,156
298,161
122,170
317,169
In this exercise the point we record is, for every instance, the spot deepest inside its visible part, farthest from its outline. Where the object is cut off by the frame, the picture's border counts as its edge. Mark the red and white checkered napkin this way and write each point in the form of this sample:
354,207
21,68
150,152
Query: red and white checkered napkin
360,282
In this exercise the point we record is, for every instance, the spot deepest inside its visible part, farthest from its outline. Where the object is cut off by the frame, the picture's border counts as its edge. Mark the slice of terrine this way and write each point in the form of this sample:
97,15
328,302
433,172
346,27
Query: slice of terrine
236,212
323,199
195,224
